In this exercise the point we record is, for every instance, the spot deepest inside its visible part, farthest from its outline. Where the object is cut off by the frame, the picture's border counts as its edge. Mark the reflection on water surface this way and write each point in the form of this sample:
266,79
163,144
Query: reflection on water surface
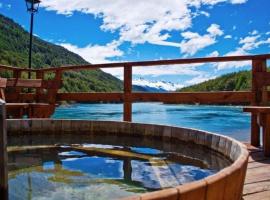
102,167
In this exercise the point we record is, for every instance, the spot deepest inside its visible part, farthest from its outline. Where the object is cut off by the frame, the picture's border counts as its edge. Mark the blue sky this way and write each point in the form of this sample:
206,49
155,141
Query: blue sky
130,30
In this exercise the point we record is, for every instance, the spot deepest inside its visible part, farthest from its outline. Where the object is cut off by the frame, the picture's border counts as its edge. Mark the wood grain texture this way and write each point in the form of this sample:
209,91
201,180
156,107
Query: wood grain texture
257,183
162,62
127,93
173,97
3,153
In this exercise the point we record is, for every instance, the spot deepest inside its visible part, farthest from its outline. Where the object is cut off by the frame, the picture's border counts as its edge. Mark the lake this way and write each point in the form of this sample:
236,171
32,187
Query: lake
227,120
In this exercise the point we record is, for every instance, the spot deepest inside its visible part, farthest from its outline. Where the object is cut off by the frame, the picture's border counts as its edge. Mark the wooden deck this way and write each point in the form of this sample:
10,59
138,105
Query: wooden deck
257,184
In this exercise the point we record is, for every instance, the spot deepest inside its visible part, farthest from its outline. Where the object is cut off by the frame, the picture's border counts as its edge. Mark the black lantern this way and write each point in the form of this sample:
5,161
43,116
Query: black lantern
32,5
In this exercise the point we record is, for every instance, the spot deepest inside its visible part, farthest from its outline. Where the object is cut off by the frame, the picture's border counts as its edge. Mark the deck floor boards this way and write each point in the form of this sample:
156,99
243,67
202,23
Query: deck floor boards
257,183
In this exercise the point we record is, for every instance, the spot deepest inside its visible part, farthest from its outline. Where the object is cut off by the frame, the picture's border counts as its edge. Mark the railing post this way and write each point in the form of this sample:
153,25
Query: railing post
17,75
127,93
258,65
3,153
39,91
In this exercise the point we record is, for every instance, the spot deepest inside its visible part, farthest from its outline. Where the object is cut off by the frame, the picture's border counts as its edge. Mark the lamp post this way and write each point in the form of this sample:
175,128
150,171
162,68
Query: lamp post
32,8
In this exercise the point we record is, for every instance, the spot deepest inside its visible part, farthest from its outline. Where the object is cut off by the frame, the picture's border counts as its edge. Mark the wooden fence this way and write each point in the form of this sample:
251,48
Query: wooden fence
257,96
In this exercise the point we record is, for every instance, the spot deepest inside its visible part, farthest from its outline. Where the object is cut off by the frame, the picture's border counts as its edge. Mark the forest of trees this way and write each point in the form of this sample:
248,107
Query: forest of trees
14,44
237,81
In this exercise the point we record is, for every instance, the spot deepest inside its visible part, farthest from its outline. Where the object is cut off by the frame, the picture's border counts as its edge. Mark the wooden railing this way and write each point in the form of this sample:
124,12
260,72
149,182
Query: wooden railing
257,96
3,153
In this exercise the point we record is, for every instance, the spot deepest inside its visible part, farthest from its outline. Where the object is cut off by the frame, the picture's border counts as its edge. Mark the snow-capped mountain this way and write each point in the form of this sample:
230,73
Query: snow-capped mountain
156,86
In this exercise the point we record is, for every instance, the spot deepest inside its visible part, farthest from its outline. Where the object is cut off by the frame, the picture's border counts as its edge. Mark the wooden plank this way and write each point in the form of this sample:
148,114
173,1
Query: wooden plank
252,149
195,97
3,153
39,92
266,136
24,83
262,79
258,66
51,84
175,97
3,82
257,109
127,93
252,188
162,62
17,75
11,68
265,195
52,92
258,174
17,105
257,156
255,131
261,163
91,97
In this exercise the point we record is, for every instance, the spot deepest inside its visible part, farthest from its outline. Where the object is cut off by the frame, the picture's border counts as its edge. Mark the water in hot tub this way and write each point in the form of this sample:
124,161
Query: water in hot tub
102,167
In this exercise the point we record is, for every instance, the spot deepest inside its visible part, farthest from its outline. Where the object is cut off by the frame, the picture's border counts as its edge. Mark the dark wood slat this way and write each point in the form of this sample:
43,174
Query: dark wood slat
162,62
257,183
3,82
11,68
3,153
127,93
90,97
265,195
257,109
196,97
262,78
24,83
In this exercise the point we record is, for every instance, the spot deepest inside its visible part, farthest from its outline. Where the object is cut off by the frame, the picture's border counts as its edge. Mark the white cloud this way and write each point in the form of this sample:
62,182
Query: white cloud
214,54
238,1
247,44
252,42
254,32
156,71
206,14
168,70
138,21
214,30
193,42
96,53
198,3
102,54
235,64
227,36
134,19
199,79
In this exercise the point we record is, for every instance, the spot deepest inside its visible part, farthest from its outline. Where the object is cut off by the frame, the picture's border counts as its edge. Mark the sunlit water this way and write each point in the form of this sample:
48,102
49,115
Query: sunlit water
227,120
102,167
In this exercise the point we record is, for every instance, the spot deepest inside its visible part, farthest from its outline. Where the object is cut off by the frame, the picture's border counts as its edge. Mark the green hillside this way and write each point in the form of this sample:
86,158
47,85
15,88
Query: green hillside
238,81
14,41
